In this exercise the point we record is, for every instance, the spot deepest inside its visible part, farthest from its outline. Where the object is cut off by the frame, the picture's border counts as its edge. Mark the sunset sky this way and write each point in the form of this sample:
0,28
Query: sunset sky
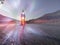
33,8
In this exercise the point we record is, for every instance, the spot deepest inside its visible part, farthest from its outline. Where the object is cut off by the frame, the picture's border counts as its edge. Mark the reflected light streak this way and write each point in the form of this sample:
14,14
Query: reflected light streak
35,31
9,30
8,36
1,25
9,27
30,30
13,33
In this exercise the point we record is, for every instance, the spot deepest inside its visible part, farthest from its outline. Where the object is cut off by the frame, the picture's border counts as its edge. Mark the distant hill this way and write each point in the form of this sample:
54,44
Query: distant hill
47,18
4,19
